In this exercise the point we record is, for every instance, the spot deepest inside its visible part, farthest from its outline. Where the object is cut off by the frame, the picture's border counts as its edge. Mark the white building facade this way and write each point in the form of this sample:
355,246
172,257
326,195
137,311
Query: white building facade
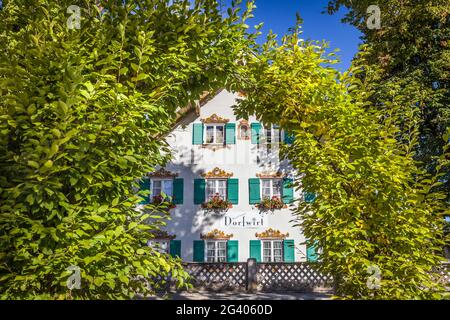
232,193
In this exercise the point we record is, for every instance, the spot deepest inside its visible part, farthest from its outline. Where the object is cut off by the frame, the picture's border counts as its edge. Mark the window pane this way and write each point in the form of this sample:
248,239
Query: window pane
157,184
266,188
222,188
268,135
222,183
164,246
221,244
221,247
160,246
156,187
168,187
276,135
277,188
222,192
266,183
277,245
210,188
219,134
267,251
278,258
222,253
277,251
210,251
210,134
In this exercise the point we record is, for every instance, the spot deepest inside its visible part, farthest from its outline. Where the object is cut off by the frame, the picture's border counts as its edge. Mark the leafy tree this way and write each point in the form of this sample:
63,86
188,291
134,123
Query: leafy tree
82,116
412,49
374,207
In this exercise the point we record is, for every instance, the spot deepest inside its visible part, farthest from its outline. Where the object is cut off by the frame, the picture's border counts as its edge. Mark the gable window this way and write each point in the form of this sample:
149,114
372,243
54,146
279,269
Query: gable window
216,187
160,245
271,188
272,250
215,134
216,251
160,186
272,134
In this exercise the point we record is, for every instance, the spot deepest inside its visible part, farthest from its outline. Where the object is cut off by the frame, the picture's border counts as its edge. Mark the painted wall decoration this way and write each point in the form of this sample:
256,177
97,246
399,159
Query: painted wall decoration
244,130
244,220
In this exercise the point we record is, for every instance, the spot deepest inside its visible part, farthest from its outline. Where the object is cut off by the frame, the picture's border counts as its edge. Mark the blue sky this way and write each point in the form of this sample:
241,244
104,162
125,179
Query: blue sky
279,16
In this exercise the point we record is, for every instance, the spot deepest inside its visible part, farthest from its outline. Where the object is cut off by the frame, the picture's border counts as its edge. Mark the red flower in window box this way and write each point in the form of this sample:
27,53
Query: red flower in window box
217,203
274,203
159,200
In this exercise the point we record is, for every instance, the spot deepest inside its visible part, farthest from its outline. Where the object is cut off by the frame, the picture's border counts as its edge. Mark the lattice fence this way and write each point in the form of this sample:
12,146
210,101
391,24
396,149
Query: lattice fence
300,276
218,276
290,276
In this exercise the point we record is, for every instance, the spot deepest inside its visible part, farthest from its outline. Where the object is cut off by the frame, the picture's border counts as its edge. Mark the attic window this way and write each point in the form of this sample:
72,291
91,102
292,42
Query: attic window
214,133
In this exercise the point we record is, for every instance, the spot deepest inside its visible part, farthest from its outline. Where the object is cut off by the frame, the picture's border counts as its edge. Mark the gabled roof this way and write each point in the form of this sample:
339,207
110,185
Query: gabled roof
190,112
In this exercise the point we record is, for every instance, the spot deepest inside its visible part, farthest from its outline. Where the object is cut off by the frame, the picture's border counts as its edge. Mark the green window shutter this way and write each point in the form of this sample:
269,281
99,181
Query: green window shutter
255,250
288,190
144,185
178,191
232,251
233,191
256,130
197,133
311,252
175,248
254,190
199,191
309,197
288,138
289,250
230,133
199,251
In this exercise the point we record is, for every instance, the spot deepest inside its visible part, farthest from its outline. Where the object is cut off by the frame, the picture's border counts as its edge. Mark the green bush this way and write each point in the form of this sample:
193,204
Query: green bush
83,113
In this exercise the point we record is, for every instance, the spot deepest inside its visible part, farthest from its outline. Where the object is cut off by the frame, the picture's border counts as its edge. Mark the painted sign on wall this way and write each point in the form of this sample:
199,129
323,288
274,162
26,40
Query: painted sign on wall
244,220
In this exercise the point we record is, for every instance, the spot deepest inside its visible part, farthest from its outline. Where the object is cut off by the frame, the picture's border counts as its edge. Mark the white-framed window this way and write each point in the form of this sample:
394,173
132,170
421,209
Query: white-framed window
216,251
272,250
272,134
214,134
159,186
271,188
216,187
160,245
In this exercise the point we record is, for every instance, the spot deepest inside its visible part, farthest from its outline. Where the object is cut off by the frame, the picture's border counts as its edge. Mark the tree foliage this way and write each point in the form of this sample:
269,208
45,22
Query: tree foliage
412,53
374,206
82,113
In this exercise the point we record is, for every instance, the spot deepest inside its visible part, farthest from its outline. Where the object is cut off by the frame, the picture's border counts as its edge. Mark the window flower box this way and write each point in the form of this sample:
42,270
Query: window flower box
217,203
274,203
159,200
